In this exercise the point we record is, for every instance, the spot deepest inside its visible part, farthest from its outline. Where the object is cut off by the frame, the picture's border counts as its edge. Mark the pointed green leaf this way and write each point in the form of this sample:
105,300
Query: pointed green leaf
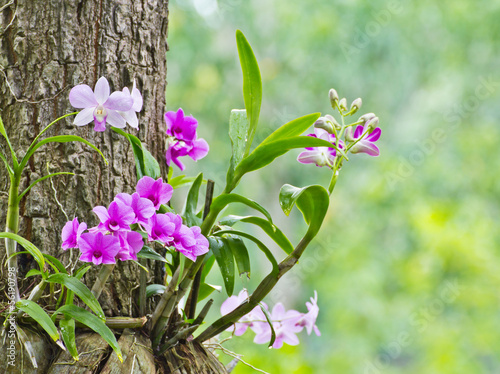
207,266
36,312
55,263
293,128
150,254
155,289
240,253
180,181
90,320
12,153
222,200
192,202
39,180
27,245
67,326
206,290
80,290
58,139
238,132
260,245
7,166
312,201
269,228
33,272
225,260
252,84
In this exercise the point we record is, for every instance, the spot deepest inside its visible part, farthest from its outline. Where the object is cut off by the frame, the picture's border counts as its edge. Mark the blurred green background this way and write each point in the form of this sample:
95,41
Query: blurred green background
407,265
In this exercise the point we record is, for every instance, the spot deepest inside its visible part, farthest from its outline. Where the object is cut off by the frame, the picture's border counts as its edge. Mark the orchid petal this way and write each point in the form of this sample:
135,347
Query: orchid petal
84,117
119,100
82,96
101,90
114,119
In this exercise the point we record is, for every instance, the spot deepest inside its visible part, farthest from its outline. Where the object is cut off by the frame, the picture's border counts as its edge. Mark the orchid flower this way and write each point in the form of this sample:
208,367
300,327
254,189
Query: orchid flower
155,190
131,243
99,248
143,208
71,233
321,156
99,105
117,217
365,140
131,115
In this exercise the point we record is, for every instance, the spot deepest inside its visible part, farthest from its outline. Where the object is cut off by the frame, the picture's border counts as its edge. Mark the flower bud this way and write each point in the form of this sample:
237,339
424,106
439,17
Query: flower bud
333,121
343,104
322,123
349,134
371,124
334,97
366,117
356,104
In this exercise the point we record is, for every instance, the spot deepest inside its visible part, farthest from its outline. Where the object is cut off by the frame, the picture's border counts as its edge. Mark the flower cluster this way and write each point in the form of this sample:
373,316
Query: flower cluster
182,139
359,137
286,324
113,238
100,106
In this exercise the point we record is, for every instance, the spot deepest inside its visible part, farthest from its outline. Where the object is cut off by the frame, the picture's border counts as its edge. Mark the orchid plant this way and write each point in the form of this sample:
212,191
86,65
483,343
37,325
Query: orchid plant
137,222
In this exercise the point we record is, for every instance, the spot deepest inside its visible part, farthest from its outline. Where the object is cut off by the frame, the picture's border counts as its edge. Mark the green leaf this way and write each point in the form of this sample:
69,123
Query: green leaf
260,245
27,245
238,130
58,139
207,266
225,260
180,181
39,180
293,128
155,289
81,271
38,314
12,153
240,253
224,199
206,290
192,202
80,290
270,322
266,153
312,201
269,228
55,263
88,319
7,166
33,272
150,254
67,326
145,163
252,84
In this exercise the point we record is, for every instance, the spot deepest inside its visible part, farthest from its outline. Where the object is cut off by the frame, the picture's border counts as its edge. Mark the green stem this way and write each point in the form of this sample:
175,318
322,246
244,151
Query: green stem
103,276
12,225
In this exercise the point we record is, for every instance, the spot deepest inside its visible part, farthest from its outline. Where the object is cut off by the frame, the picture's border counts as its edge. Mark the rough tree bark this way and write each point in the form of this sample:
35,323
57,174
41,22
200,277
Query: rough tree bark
47,47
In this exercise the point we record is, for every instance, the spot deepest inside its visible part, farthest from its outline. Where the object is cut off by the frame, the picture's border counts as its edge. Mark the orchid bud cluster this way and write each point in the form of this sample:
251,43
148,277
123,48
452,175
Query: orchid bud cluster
286,323
358,137
119,234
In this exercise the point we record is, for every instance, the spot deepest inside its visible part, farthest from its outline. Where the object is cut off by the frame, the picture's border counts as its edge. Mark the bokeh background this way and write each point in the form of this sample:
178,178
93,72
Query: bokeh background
407,266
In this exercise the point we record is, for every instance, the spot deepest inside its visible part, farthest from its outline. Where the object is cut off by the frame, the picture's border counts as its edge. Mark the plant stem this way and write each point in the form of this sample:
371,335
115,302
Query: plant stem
103,276
12,225
143,278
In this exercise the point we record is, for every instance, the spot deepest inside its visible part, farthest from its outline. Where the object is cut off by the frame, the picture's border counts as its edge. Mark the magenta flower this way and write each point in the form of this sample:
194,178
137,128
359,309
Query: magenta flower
181,127
156,191
116,218
131,243
71,233
99,105
320,156
131,114
284,324
190,242
143,208
365,144
99,248
308,320
197,150
162,227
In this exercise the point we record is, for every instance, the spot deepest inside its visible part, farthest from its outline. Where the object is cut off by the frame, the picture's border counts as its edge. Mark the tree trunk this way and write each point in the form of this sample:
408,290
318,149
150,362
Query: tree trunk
47,47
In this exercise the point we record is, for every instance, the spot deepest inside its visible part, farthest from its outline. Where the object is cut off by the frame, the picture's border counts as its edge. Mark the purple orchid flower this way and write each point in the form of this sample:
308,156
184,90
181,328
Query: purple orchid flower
131,243
71,233
246,321
162,227
365,143
131,114
156,191
180,126
321,156
176,149
190,242
99,248
118,217
143,208
284,324
308,320
99,105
